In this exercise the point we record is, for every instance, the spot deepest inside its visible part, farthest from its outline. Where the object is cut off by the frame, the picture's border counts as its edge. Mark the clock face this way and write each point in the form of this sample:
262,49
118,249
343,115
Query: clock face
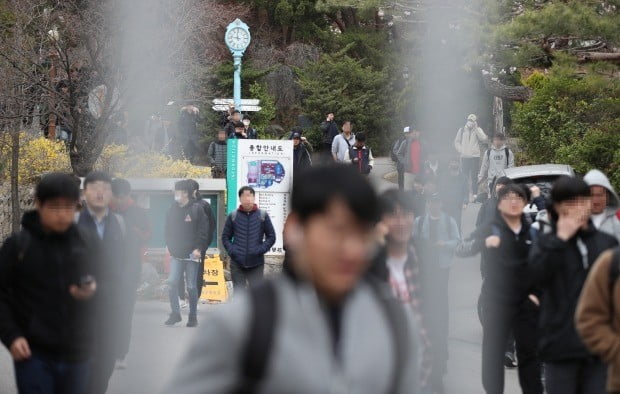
238,38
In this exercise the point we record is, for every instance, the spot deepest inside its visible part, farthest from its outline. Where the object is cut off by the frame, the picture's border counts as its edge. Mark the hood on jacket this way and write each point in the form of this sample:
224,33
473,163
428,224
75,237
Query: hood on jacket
597,178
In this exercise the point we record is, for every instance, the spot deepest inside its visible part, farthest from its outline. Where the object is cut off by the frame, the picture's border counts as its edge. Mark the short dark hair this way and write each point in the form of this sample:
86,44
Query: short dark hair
239,125
183,185
121,187
220,131
394,198
97,176
567,188
236,111
347,121
513,188
503,180
500,136
361,137
247,188
57,185
321,185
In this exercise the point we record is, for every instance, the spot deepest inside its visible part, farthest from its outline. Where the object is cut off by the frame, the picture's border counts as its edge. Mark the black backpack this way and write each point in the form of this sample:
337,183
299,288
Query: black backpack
263,321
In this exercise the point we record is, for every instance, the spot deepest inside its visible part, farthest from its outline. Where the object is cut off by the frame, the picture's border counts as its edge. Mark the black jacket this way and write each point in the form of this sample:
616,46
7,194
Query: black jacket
187,229
248,237
206,207
506,269
36,270
329,131
301,159
560,269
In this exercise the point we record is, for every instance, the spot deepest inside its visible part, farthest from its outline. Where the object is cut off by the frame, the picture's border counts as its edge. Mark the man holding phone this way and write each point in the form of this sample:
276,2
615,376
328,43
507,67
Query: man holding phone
46,283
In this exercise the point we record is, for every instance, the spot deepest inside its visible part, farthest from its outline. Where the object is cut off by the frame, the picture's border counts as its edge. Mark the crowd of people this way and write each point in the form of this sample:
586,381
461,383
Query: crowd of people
353,259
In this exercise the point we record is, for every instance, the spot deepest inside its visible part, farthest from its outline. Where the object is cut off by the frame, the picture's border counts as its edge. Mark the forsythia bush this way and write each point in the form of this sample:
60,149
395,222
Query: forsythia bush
118,160
41,155
36,156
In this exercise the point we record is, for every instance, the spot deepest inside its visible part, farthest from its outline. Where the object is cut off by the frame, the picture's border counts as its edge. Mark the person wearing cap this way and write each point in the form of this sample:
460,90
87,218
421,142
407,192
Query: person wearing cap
231,126
410,156
467,143
217,155
299,130
605,203
436,236
360,155
301,156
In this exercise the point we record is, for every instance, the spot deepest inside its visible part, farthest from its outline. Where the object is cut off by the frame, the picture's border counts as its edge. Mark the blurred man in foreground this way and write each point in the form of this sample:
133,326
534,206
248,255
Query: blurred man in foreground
322,326
46,283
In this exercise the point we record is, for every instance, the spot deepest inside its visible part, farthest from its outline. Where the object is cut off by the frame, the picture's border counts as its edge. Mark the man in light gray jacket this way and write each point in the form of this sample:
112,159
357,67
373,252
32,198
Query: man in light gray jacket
343,142
605,203
467,143
324,326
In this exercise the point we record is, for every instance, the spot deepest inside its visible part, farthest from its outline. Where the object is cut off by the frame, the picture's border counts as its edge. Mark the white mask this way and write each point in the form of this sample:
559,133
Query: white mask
470,124
177,199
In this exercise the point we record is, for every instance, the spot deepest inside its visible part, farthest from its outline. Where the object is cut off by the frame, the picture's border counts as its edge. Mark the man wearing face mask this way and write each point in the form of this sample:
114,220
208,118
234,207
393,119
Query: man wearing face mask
467,143
251,132
559,264
187,230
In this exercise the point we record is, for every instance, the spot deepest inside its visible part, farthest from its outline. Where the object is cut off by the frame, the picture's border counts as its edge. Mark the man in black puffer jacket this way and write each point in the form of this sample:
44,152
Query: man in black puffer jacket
248,234
46,283
559,264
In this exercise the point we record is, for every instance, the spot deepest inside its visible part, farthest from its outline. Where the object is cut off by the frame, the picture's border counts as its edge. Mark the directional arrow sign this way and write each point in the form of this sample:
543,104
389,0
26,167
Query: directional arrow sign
246,108
244,102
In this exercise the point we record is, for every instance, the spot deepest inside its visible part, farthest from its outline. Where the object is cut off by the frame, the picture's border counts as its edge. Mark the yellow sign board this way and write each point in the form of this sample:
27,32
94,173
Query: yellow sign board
214,283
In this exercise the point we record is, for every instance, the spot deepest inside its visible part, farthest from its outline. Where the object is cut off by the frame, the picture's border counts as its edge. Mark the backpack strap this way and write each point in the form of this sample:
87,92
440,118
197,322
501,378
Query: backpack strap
257,349
507,151
399,331
22,240
233,215
263,215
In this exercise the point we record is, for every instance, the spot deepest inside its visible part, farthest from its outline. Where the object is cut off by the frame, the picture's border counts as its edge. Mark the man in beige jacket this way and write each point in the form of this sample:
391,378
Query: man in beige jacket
598,316
467,143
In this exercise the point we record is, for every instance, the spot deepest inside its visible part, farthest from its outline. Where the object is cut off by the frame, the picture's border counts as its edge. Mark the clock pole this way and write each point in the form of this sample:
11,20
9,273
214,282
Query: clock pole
237,39
237,82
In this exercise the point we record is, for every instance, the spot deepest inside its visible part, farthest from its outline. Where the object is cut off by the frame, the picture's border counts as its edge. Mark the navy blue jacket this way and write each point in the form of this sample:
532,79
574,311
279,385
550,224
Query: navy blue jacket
248,237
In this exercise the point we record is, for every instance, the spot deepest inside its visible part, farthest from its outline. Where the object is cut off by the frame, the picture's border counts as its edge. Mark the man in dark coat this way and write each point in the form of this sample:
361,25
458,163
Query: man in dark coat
112,273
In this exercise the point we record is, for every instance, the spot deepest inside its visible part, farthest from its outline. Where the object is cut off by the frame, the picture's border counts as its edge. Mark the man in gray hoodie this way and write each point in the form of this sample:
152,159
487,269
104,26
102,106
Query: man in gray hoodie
495,161
324,326
605,203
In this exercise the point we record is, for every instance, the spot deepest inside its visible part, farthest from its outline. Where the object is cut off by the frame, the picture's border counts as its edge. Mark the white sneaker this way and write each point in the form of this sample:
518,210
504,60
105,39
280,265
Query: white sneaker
184,304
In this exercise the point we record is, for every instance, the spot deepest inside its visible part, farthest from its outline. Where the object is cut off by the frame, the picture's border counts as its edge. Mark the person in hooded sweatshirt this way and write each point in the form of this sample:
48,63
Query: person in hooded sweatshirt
218,155
46,283
505,242
559,263
495,161
605,203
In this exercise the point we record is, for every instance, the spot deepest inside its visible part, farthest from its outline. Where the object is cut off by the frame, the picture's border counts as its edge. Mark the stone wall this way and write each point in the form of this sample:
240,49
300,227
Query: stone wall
26,202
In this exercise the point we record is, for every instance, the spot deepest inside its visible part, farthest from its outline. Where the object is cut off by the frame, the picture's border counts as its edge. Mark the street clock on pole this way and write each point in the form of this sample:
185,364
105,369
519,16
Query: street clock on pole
237,39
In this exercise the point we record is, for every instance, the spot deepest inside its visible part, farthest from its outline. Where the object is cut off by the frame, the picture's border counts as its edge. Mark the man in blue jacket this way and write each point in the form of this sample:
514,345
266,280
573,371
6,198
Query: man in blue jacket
248,234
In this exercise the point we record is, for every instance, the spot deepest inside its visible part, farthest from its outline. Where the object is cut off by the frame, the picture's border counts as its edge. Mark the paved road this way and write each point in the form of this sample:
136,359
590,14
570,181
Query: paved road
156,349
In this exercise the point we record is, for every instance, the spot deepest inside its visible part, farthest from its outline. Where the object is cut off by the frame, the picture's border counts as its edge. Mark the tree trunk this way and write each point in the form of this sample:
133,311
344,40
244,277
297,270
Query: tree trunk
15,208
506,92
599,56
498,114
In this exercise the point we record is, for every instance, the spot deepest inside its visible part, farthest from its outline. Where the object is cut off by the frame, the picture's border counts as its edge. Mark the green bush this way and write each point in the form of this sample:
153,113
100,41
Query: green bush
572,120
